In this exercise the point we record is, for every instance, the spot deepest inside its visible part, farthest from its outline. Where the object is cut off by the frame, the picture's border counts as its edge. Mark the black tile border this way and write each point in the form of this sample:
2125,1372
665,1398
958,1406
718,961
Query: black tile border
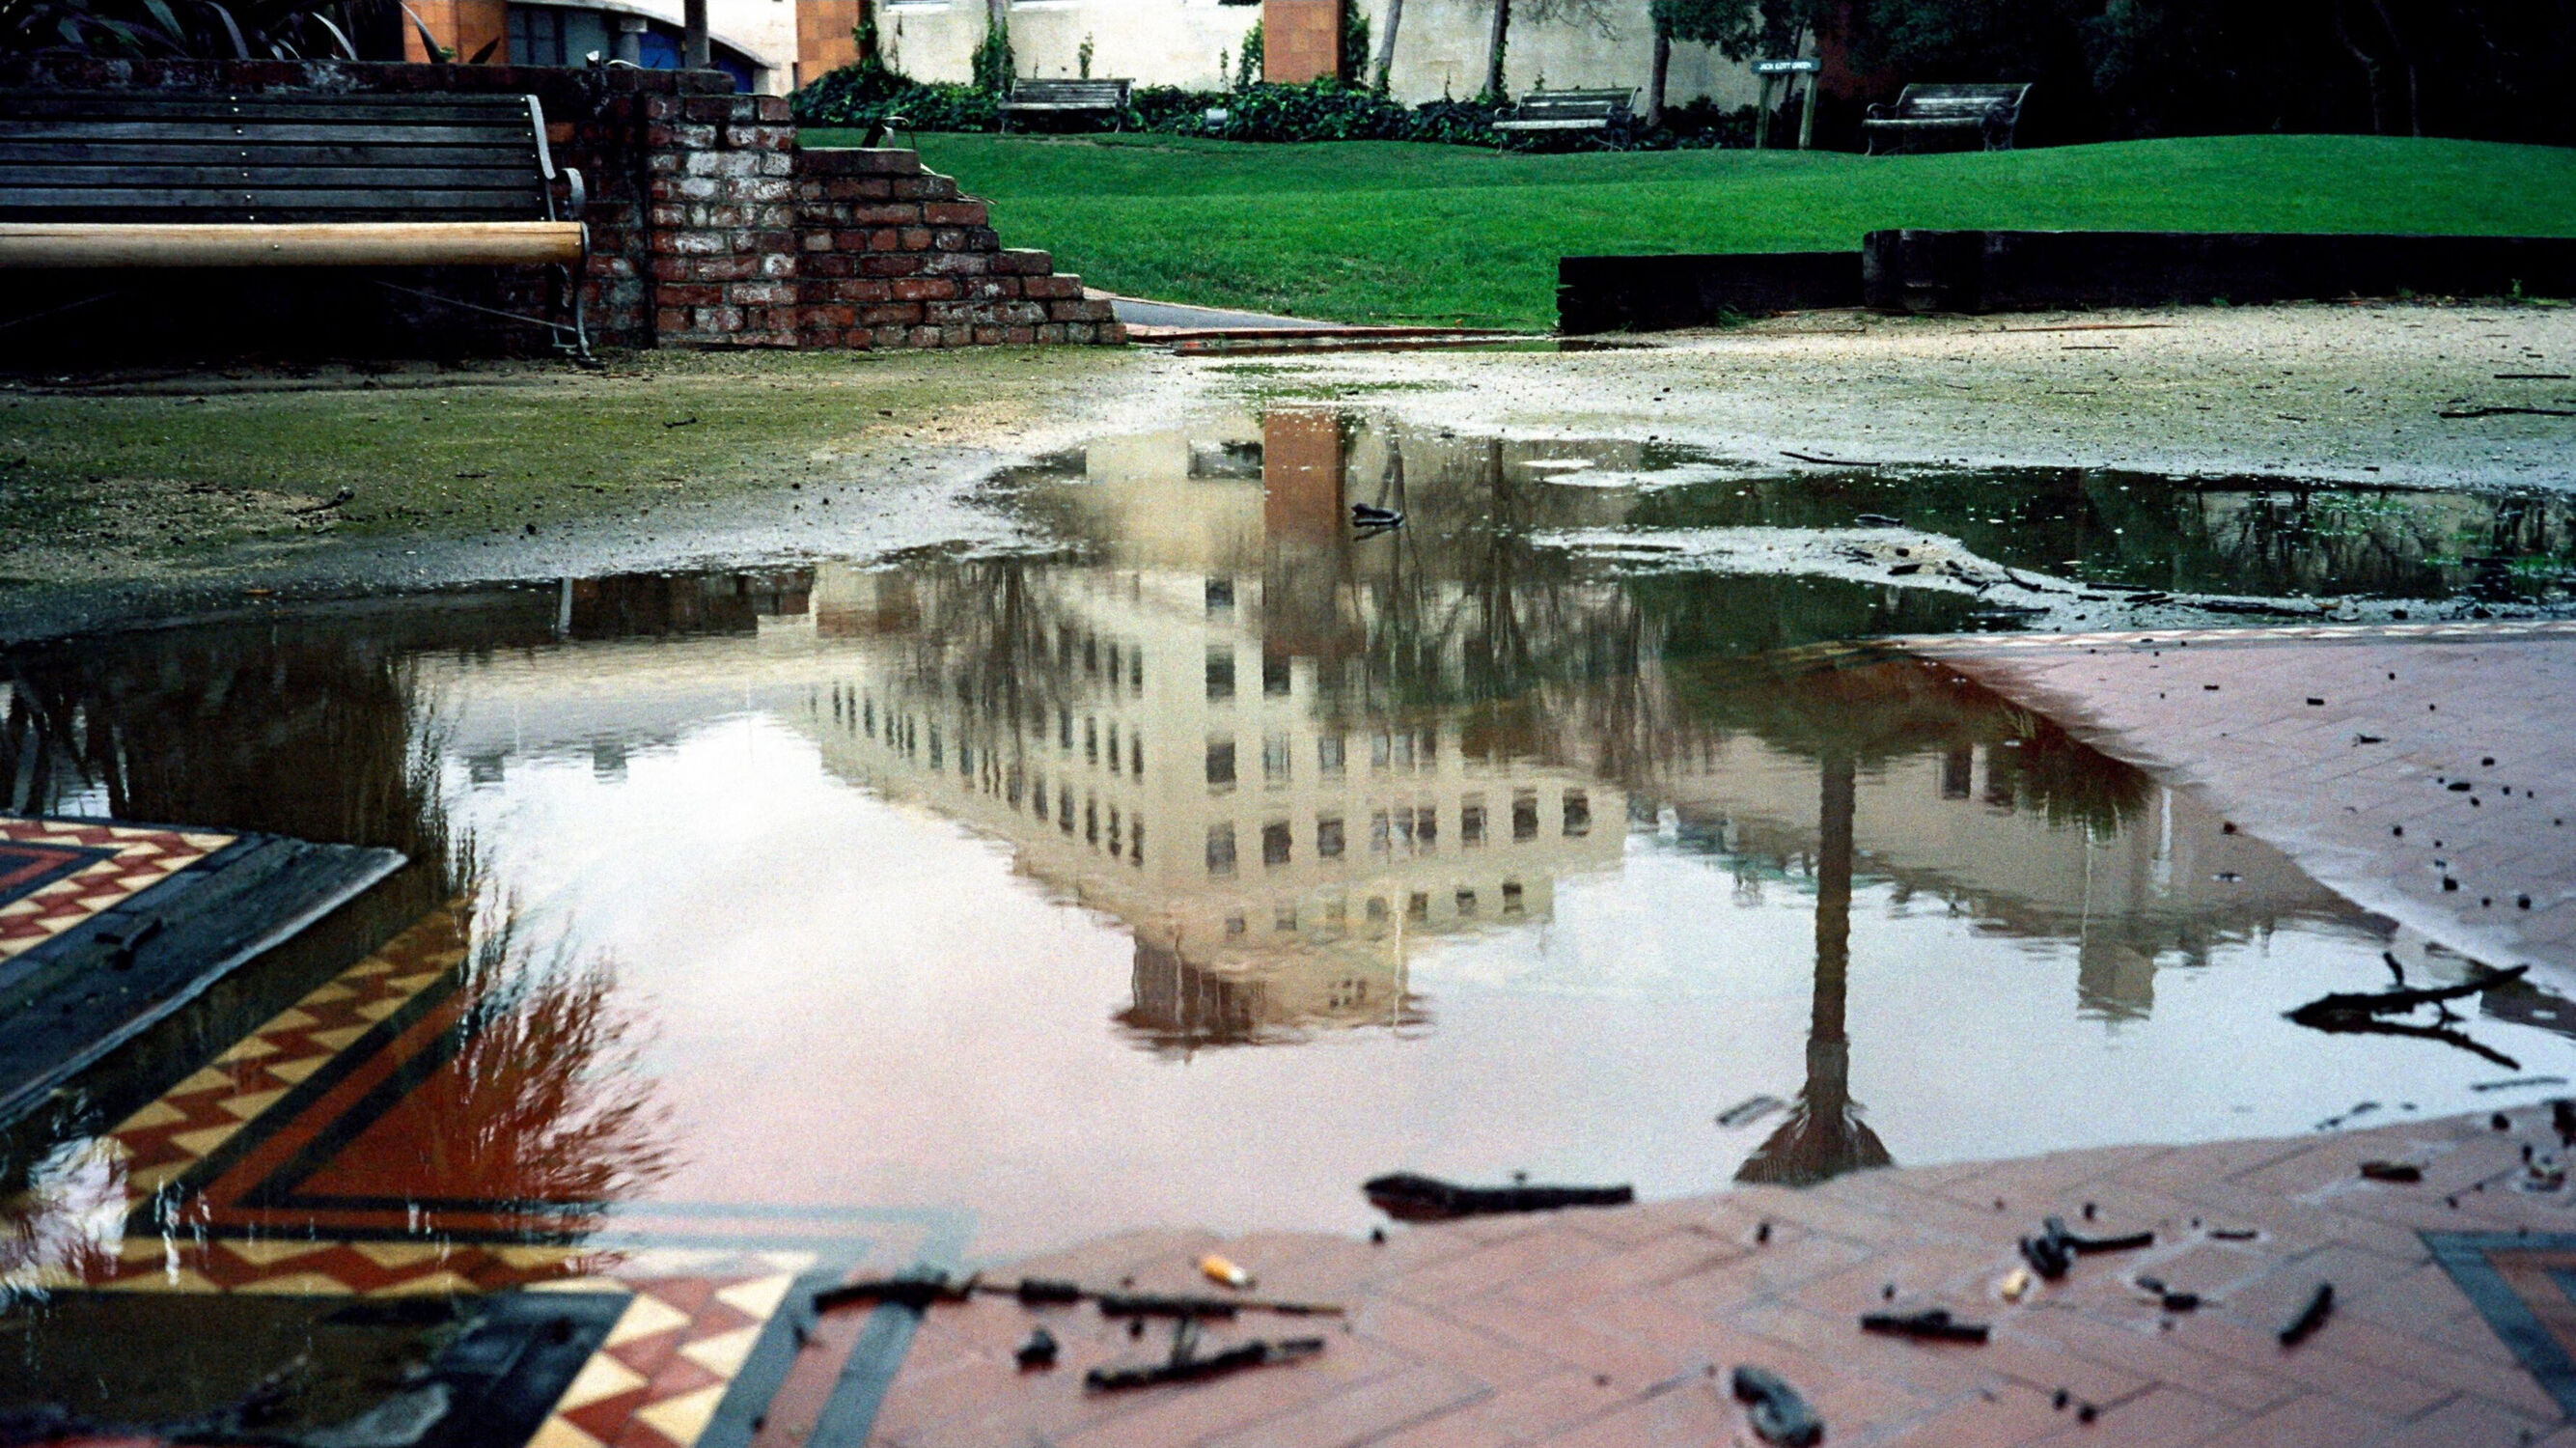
2464,1256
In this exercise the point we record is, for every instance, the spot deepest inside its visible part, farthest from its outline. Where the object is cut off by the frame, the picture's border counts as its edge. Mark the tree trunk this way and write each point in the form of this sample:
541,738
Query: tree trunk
1386,47
2406,58
1655,80
1501,38
696,53
2369,73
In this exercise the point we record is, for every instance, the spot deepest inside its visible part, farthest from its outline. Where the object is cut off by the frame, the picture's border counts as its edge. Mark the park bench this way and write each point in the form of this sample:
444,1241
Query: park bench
1068,97
1946,116
122,180
1568,113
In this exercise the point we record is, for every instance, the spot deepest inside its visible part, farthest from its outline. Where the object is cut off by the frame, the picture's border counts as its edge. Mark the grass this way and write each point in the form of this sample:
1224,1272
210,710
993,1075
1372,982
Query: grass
1395,231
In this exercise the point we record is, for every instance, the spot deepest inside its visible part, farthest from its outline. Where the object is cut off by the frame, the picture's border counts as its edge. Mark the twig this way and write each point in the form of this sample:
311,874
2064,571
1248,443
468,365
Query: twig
1827,462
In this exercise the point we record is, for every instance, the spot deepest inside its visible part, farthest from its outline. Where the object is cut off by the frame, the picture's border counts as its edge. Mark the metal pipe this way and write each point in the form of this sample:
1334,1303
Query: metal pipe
695,52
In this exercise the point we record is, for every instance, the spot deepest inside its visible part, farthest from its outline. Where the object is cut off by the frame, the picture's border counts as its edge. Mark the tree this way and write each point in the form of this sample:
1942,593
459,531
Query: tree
1741,29
1386,49
1594,15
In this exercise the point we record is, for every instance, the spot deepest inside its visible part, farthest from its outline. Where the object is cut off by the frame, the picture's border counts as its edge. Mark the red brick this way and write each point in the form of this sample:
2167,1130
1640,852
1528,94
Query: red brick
925,289
1051,288
954,213
1024,262
904,313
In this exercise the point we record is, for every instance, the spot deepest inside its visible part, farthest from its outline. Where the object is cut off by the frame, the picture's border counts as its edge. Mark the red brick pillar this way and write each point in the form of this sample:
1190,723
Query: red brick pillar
720,198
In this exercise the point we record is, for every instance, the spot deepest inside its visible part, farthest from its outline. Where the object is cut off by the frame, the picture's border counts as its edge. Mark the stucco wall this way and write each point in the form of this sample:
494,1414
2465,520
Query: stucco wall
1440,49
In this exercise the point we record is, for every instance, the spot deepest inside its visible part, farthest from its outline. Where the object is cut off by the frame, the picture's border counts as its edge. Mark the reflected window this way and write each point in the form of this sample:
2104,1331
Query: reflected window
1064,810
1275,675
1220,849
1274,843
1511,897
1136,671
1328,754
1377,910
1090,820
1404,827
1220,762
1136,845
1220,674
1578,812
1378,833
1113,746
938,757
1417,906
1328,837
1381,750
868,716
1525,817
1136,756
1284,918
1426,826
1466,901
1958,772
1113,830
1336,911
1471,823
1234,927
1274,759
1115,672
1426,750
1220,595
1063,728
1090,656
1091,739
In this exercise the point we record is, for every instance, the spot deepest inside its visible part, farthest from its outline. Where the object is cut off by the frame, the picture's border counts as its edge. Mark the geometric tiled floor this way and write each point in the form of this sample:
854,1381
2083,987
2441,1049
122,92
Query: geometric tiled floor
55,874
198,1174
1603,1327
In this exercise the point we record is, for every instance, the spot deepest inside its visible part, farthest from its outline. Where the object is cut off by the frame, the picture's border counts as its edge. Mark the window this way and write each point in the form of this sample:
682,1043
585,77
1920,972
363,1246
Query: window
1958,768
1378,833
1471,823
1466,901
1426,827
1090,820
1091,739
1274,759
1220,849
1275,675
1328,837
1511,897
1525,817
1274,843
1136,756
1578,813
1234,927
1328,754
1064,810
1136,845
1220,595
1417,906
1220,762
1113,746
1283,918
1220,674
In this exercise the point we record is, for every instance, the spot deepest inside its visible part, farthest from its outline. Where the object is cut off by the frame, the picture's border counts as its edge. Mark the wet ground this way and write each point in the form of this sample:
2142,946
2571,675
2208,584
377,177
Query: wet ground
1193,858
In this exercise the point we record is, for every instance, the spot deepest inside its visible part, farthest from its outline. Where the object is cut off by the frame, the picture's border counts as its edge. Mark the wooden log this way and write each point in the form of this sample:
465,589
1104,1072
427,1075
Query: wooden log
372,243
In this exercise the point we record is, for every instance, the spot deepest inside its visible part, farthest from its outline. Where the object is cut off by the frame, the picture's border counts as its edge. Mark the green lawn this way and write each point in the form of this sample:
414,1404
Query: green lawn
1389,231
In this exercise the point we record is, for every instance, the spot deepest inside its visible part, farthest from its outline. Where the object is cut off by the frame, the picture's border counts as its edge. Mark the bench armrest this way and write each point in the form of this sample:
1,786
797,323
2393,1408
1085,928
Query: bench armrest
1882,113
576,195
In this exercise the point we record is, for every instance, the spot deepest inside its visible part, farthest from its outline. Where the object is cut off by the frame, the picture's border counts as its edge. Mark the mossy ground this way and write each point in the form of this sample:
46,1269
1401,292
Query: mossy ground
190,473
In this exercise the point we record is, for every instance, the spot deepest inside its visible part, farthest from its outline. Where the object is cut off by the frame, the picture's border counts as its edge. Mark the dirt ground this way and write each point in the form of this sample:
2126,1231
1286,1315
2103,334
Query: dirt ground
121,495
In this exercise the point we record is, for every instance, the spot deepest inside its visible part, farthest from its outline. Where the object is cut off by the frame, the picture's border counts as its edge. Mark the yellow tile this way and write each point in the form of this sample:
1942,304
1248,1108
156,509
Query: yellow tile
182,1280
534,1256
298,1284
559,1434
249,1048
289,1019
151,1116
399,1254
723,1354
144,1181
326,993
296,1071
243,1108
209,1079
644,1316
412,984
601,1378
337,1040
683,1418
377,1010
757,1298
373,965
198,1143
436,1284
267,1250
579,1284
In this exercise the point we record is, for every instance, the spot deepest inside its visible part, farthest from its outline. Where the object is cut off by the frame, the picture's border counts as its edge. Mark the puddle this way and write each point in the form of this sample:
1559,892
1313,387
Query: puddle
1212,861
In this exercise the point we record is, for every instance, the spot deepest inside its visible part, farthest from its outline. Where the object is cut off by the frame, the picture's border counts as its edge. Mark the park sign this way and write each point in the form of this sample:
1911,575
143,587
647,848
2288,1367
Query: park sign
1787,67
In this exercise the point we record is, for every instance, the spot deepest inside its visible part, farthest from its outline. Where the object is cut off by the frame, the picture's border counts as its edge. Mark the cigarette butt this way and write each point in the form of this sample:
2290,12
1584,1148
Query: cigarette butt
1217,1269
2016,1284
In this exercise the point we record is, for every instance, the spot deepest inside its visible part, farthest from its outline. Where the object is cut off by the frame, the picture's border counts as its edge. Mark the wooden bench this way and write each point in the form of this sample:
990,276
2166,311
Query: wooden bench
1948,117
1572,113
1068,97
115,180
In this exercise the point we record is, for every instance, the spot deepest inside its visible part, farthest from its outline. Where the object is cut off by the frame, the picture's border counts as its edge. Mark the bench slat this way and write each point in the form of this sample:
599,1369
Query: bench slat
135,103
457,243
353,133
238,153
192,200
230,176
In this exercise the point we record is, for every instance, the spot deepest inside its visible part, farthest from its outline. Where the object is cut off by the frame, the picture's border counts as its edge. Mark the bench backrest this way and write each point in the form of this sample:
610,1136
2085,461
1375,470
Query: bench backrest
1104,93
1555,105
123,157
1936,102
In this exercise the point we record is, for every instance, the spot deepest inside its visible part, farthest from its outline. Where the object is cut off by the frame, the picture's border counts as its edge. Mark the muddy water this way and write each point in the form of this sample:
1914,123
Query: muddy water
1209,858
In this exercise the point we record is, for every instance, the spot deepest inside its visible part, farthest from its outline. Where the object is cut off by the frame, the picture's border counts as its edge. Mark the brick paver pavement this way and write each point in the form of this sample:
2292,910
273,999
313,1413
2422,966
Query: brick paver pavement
1615,1327
2426,771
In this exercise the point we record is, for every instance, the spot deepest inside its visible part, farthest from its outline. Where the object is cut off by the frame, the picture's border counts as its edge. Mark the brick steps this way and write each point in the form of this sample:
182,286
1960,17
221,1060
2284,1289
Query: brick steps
756,242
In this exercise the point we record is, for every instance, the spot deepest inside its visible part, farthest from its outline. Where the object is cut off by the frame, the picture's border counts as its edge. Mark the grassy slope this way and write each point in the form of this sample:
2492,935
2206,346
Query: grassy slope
1390,230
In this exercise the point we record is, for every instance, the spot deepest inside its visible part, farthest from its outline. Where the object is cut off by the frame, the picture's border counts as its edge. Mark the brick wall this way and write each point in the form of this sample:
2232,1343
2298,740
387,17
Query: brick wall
709,225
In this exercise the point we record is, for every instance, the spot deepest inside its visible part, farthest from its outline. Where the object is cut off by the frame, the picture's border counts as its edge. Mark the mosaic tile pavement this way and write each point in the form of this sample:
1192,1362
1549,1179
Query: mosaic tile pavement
55,874
194,1163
